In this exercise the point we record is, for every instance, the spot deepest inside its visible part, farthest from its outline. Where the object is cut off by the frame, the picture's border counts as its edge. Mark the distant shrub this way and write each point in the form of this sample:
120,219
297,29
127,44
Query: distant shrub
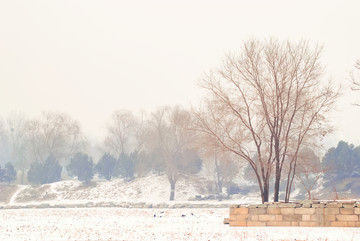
107,167
82,166
48,172
8,174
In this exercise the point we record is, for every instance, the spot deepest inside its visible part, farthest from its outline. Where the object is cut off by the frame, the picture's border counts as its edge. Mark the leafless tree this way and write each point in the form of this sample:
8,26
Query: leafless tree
309,170
170,141
267,102
120,130
355,78
53,134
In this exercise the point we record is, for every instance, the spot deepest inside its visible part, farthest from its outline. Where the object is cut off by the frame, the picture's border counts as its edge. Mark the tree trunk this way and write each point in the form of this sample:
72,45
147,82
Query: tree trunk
172,190
219,190
277,182
266,193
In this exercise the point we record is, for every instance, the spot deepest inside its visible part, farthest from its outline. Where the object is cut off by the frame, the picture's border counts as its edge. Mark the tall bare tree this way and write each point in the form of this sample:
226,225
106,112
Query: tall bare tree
355,78
170,140
53,134
120,130
267,102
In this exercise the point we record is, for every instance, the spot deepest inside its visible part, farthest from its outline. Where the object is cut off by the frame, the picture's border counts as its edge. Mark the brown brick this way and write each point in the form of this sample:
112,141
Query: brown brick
288,210
237,223
351,224
254,218
267,217
322,211
357,210
347,218
240,217
334,205
294,223
357,224
279,217
241,210
346,210
304,210
279,223
306,217
292,217
308,224
257,210
255,224
273,210
338,224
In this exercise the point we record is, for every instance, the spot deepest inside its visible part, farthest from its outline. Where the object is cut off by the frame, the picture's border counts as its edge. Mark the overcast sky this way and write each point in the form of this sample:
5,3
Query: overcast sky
89,58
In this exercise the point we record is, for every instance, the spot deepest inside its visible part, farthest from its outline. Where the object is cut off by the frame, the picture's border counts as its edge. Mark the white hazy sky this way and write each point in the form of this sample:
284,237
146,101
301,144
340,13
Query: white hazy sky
88,58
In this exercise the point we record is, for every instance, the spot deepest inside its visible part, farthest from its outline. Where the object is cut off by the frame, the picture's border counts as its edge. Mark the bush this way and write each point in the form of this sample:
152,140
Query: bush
8,174
81,165
125,166
107,167
48,172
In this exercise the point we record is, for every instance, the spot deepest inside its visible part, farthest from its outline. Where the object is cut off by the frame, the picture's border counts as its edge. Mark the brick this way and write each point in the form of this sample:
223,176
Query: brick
257,211
287,210
267,217
241,210
357,210
357,224
237,223
254,217
308,224
338,224
306,217
347,218
351,224
346,210
279,223
255,224
294,223
334,205
278,217
272,210
292,217
322,211
240,217
304,210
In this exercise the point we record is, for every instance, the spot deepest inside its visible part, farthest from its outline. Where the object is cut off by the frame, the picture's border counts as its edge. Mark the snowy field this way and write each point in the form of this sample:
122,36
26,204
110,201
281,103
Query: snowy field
146,224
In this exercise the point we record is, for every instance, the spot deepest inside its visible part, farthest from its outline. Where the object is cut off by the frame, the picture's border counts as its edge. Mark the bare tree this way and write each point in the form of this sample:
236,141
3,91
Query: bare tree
267,102
120,130
53,134
309,170
355,78
170,141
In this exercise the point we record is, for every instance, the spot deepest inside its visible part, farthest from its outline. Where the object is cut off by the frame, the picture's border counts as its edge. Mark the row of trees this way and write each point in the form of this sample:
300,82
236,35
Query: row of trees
266,105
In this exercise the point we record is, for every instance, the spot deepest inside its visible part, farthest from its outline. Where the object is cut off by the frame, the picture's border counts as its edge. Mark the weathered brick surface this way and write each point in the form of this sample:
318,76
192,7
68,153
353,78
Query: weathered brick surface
305,210
347,217
257,210
346,210
306,214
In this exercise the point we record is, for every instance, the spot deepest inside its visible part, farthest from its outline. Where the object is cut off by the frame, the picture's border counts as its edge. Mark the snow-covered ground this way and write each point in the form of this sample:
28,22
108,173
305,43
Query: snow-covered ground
147,224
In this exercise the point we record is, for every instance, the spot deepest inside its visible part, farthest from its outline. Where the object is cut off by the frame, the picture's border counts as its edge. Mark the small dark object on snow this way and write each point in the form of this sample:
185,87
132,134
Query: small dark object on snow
192,214
154,215
183,215
162,212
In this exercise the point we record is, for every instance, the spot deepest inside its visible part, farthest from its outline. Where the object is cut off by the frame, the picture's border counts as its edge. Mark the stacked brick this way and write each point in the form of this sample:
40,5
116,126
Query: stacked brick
303,214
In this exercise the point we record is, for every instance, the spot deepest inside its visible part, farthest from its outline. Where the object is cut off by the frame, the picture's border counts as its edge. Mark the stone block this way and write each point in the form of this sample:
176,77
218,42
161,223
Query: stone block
322,211
239,217
346,210
306,217
287,210
292,217
254,217
241,210
237,223
267,217
255,224
278,217
294,223
357,224
356,210
351,224
273,210
338,224
308,224
279,223
334,205
257,211
347,218
304,210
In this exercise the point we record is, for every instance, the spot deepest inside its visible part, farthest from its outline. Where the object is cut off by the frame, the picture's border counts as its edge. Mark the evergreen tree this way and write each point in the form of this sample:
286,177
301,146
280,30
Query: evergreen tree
107,167
81,165
48,172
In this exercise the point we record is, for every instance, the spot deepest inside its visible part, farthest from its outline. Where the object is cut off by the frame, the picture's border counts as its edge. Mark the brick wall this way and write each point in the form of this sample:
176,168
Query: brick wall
304,214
